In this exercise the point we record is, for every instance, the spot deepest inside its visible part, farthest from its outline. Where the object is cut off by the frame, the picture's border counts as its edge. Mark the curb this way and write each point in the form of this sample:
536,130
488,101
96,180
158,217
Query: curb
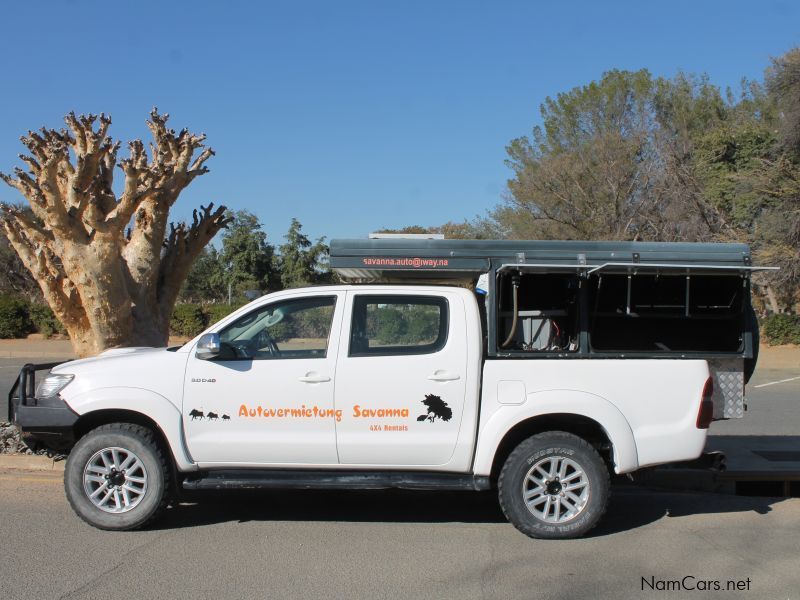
30,462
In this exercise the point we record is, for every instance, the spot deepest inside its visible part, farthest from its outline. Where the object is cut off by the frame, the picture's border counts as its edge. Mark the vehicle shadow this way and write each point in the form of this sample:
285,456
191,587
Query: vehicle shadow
758,452
631,507
634,506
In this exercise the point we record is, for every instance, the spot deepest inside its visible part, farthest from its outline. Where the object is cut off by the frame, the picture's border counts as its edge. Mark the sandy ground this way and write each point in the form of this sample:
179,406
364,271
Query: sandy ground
779,357
36,346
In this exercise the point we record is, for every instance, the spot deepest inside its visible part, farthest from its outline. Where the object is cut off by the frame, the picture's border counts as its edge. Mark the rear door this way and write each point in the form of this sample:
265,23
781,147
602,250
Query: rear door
401,378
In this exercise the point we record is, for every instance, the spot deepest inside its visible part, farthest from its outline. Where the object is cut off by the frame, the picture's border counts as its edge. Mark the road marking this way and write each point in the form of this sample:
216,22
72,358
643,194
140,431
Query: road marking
775,382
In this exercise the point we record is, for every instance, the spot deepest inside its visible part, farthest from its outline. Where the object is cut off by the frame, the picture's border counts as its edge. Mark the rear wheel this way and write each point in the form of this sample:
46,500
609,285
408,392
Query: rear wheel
117,477
554,485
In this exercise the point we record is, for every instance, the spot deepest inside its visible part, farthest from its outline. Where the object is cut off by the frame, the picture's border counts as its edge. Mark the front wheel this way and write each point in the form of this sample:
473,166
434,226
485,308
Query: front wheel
117,477
554,485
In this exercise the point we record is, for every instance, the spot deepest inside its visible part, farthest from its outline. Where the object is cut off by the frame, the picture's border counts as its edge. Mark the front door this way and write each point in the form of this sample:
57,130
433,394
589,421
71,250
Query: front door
400,379
268,398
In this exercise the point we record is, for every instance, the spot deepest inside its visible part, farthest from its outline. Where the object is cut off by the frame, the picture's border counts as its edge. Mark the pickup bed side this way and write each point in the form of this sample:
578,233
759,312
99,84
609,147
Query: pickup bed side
645,421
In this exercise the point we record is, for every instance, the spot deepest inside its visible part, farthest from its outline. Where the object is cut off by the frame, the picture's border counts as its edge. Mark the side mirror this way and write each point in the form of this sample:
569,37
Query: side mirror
208,347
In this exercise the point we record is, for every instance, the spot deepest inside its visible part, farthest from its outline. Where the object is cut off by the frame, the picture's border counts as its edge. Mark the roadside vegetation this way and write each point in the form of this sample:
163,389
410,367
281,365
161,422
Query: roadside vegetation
781,329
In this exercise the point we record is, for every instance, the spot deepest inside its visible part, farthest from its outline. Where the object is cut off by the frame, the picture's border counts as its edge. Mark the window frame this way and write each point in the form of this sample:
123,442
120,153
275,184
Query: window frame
360,302
277,302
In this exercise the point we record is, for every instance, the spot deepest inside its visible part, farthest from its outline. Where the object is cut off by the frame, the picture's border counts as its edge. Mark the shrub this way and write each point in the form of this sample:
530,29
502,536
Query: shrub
781,329
187,319
44,321
391,327
285,330
423,324
217,312
313,323
15,320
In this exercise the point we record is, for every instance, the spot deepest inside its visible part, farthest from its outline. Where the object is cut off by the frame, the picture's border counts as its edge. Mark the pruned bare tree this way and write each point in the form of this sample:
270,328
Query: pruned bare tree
106,262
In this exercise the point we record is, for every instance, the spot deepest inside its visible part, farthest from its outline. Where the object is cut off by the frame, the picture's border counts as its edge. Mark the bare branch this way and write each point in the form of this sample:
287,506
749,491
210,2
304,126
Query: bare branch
182,246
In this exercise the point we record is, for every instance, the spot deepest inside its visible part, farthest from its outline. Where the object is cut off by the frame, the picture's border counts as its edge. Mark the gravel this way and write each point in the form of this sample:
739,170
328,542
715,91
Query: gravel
11,441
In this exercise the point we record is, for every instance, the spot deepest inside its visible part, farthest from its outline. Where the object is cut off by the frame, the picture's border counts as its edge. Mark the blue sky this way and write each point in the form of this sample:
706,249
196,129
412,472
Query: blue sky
353,116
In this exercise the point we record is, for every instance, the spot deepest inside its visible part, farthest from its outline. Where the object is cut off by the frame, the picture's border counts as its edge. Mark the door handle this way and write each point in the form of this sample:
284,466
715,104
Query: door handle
443,376
314,378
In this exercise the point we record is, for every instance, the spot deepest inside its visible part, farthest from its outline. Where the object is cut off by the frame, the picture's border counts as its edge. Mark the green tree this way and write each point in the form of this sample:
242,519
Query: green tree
412,229
206,281
300,261
783,84
780,226
610,162
477,229
247,258
636,157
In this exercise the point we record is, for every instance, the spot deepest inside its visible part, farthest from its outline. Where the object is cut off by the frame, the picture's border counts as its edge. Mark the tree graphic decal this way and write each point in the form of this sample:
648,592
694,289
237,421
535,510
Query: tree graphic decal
437,409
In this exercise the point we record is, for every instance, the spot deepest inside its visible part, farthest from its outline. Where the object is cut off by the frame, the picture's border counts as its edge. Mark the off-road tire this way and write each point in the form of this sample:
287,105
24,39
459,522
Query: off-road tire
553,444
142,442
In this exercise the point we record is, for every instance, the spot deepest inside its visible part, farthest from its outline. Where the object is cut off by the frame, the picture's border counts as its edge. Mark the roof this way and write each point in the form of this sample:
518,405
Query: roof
424,259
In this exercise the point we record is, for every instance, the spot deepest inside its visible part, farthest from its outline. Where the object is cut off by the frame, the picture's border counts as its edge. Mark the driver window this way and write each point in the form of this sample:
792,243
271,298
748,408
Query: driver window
289,329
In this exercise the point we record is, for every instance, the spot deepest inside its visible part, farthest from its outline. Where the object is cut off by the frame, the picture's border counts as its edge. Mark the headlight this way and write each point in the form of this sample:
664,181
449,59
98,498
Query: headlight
52,384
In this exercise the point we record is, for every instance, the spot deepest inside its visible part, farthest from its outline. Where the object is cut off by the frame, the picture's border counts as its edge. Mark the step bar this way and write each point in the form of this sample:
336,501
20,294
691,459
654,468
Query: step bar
257,479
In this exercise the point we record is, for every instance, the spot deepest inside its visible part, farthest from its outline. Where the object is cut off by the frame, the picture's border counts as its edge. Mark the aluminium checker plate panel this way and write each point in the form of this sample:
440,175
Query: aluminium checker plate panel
728,397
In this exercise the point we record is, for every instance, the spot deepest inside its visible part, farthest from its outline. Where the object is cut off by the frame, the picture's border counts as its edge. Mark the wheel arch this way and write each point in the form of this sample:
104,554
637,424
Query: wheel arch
581,413
92,420
138,406
580,425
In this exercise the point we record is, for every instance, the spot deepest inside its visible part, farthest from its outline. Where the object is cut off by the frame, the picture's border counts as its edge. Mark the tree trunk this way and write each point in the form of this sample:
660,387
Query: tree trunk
773,302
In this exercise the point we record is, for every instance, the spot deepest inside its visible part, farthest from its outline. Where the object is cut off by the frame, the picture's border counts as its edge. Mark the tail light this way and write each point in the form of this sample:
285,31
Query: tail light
706,412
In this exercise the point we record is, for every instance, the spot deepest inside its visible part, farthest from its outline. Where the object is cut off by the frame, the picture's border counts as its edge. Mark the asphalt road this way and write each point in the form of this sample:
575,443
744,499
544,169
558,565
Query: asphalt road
773,405
393,545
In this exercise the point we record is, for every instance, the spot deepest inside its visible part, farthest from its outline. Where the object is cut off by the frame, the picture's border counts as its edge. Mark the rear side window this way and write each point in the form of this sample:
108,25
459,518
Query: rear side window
391,325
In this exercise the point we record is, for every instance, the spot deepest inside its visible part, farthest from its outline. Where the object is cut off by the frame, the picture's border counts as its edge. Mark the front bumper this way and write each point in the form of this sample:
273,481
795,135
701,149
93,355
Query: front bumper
43,421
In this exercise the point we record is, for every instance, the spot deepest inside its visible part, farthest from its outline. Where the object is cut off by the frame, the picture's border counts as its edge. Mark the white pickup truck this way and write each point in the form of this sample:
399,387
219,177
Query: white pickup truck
415,386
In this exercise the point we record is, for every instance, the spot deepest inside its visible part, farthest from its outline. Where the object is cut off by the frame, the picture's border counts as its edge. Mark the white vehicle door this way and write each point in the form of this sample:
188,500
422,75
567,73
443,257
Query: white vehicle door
400,380
268,398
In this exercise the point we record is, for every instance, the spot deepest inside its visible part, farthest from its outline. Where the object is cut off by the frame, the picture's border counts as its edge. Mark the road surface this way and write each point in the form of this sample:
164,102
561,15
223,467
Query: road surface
394,545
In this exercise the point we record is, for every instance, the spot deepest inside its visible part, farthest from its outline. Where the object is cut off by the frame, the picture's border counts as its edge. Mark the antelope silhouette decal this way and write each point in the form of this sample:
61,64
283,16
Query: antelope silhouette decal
437,409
